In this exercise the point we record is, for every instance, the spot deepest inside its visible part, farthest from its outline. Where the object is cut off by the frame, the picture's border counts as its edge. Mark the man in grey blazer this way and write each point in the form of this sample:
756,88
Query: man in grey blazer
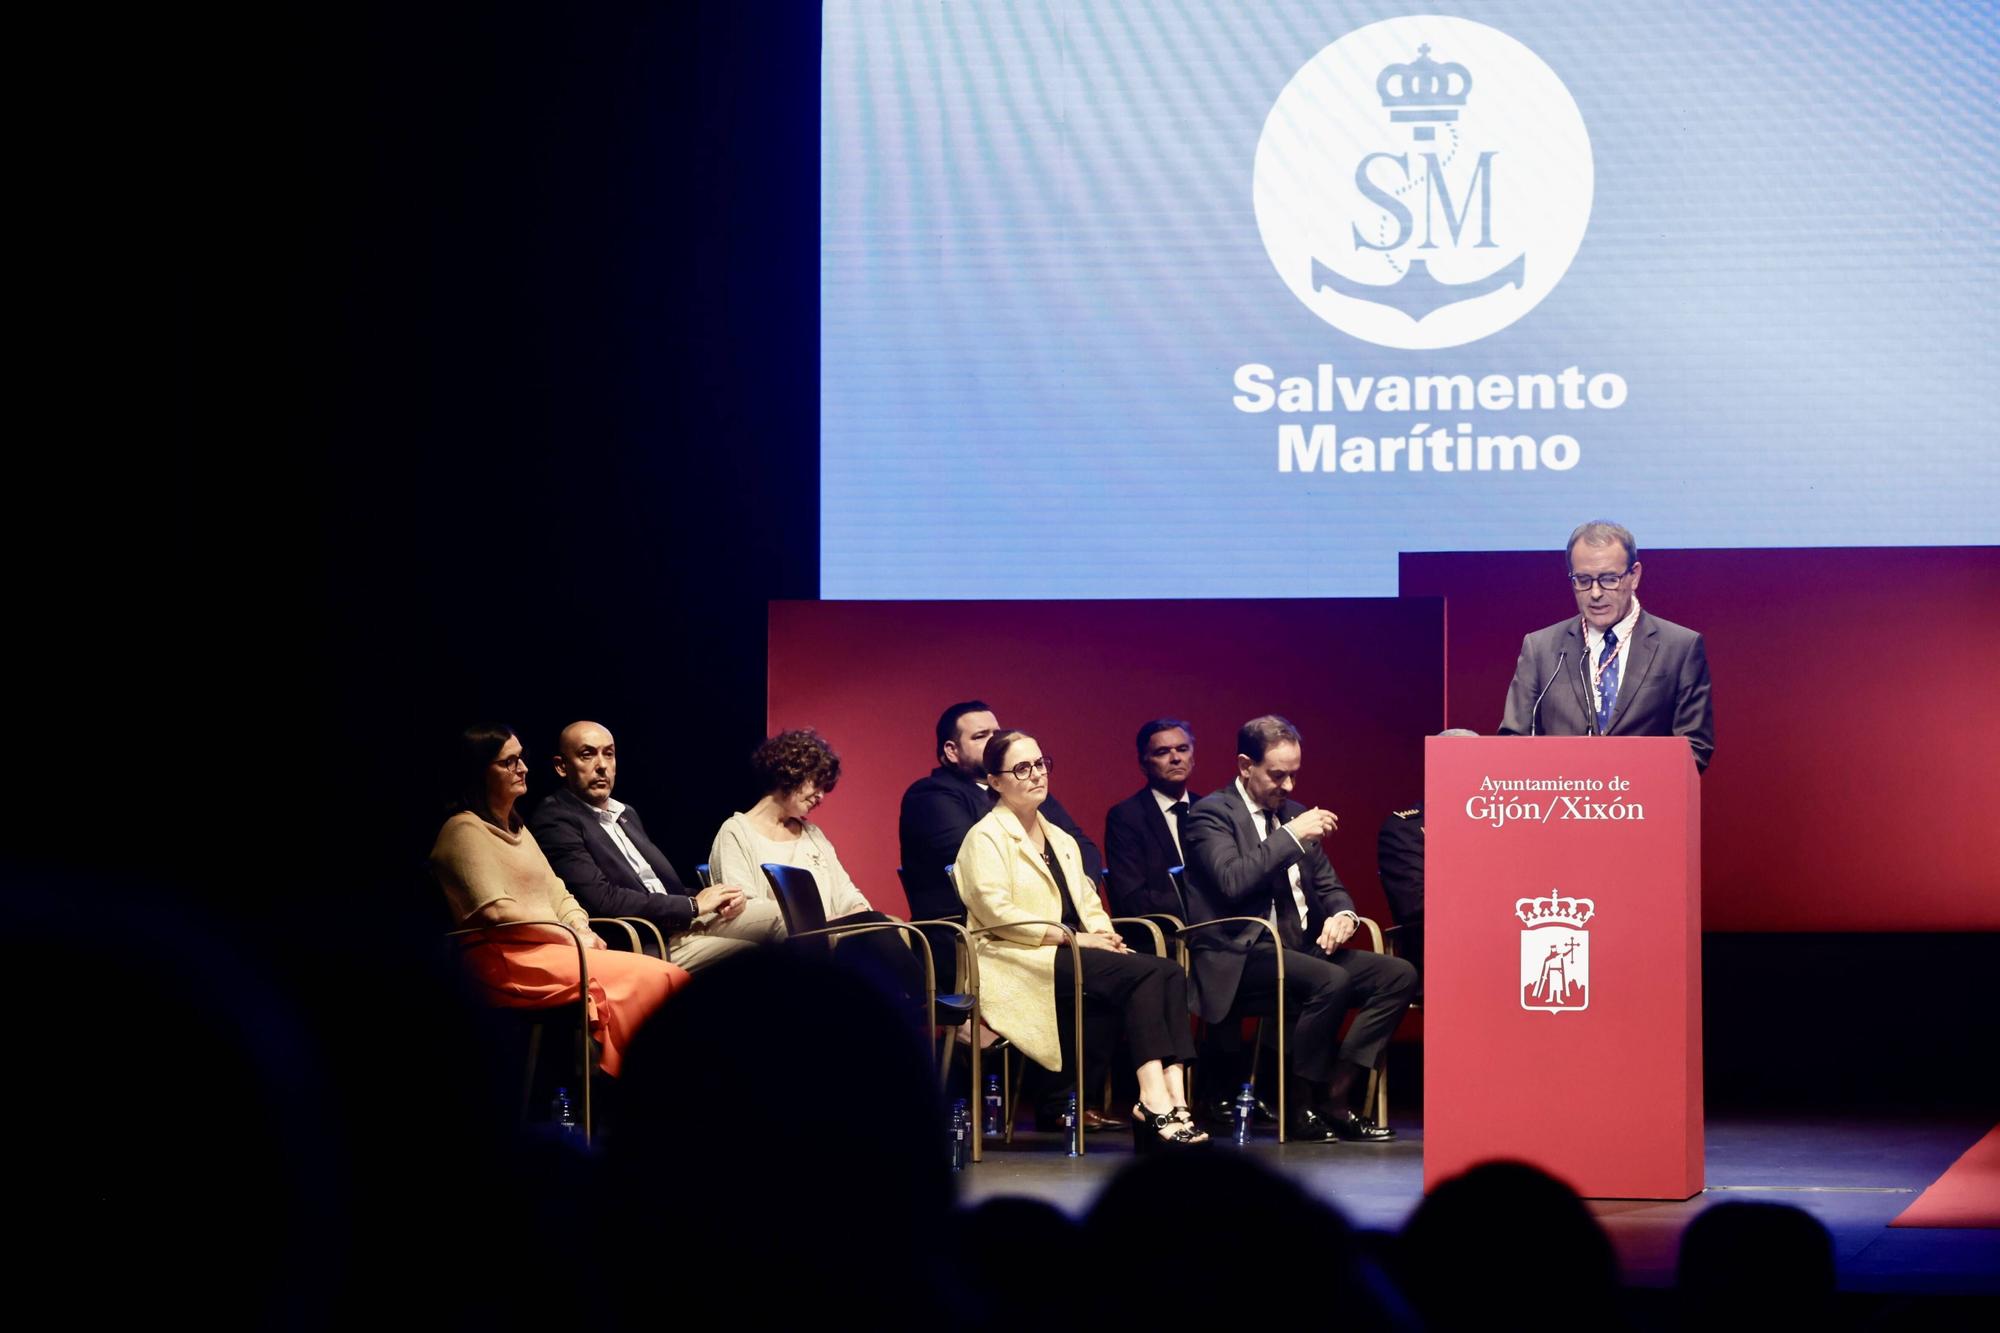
1612,669
1252,851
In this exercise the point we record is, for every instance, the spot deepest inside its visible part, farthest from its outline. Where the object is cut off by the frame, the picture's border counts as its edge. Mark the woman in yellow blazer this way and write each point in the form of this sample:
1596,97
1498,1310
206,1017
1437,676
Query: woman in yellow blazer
1014,867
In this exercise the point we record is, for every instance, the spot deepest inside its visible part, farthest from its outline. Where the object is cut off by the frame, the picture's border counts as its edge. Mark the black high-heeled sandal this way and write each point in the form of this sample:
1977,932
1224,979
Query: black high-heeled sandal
1186,1117
1160,1133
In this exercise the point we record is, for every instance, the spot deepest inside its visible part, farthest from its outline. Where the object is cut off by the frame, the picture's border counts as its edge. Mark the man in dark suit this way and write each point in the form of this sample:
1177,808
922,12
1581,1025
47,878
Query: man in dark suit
1252,851
1399,856
602,854
938,811
1142,834
1612,669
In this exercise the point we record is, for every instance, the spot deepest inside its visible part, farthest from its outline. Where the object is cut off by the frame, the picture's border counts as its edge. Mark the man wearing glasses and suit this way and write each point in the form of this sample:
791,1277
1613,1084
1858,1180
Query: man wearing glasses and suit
1612,669
1253,851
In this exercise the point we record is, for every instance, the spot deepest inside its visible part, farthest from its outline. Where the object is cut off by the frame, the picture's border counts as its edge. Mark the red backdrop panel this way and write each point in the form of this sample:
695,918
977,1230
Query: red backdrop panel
1856,729
1363,679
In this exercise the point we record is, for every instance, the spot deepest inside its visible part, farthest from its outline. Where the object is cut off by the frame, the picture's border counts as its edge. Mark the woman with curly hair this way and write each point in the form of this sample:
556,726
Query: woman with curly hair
797,770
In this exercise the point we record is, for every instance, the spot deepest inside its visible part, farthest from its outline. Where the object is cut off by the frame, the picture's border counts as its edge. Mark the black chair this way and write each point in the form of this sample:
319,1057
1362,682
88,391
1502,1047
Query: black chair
1375,1099
1179,876
971,963
576,1012
804,912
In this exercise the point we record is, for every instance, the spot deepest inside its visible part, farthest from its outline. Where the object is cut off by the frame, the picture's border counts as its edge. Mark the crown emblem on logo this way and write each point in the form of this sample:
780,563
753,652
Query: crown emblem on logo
1423,92
1554,909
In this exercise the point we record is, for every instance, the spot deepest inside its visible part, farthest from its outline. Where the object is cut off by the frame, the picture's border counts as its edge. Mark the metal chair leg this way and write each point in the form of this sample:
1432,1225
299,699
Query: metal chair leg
528,1073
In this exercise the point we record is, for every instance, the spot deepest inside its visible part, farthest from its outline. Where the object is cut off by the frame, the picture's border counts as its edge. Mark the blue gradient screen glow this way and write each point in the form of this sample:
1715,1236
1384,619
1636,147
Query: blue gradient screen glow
1116,298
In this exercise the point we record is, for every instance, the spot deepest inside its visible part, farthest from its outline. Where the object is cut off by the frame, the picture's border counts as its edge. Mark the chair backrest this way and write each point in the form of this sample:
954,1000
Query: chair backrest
701,873
1178,874
798,896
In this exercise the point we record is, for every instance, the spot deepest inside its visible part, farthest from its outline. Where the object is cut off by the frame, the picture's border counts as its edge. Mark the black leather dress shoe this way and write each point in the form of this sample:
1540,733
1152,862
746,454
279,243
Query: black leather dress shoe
1351,1128
1224,1113
1094,1121
1311,1127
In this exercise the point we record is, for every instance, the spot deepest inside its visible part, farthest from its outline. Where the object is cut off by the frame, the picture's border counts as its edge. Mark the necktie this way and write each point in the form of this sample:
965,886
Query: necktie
1284,905
1607,680
1179,811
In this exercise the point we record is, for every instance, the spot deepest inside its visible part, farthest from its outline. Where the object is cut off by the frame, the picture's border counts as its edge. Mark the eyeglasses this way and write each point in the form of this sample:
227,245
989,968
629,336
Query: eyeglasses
516,761
1027,768
1582,582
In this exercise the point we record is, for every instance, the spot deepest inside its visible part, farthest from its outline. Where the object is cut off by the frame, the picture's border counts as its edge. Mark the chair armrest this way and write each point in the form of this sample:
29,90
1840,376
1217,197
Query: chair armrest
631,935
968,960
1152,928
642,925
904,928
1277,941
1374,934
582,967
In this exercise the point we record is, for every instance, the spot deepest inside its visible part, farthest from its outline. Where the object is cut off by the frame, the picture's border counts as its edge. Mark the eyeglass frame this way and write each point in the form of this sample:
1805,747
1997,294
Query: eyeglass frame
1598,579
1027,768
512,762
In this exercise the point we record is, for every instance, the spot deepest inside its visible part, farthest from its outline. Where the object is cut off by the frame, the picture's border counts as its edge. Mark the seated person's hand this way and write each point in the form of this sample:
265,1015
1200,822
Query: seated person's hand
1102,939
593,940
1313,825
1335,931
725,900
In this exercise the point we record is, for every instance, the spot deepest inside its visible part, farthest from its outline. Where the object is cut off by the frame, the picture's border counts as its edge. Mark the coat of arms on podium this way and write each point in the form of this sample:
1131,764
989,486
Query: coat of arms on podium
1555,951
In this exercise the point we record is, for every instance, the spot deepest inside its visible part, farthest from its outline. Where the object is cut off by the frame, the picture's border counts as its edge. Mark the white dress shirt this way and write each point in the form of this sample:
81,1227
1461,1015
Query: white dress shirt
1593,644
1167,804
607,815
1258,822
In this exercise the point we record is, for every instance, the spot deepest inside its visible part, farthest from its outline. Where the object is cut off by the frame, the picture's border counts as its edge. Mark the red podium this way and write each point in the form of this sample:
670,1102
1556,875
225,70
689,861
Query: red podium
1562,986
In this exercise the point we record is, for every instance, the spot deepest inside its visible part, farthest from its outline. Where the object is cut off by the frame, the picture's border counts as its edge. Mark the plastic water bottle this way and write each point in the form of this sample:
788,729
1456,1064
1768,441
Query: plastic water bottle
992,1105
1246,1110
1069,1124
563,1117
961,1123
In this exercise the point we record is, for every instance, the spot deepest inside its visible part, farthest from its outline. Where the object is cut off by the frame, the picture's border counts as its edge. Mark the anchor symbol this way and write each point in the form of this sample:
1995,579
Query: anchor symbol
1417,293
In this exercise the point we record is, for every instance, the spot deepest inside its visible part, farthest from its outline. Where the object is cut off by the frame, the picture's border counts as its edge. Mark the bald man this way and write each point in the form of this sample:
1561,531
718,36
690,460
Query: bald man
601,851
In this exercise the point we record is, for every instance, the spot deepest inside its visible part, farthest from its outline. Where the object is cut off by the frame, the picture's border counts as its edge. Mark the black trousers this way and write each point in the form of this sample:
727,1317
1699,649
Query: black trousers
1319,990
1149,994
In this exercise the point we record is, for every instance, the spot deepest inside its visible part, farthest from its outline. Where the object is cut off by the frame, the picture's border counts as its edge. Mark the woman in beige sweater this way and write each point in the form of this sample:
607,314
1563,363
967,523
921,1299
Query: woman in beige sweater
492,873
1015,869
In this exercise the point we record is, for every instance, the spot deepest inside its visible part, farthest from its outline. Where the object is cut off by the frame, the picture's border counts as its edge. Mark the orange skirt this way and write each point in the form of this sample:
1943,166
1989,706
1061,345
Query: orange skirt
625,988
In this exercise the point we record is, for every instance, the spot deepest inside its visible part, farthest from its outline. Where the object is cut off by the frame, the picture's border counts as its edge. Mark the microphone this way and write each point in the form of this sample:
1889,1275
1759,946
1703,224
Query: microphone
1535,713
1589,694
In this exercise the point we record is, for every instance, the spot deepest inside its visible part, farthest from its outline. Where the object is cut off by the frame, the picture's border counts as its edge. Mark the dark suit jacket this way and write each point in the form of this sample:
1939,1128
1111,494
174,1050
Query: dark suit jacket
1662,688
1139,849
1231,873
1399,852
597,873
938,811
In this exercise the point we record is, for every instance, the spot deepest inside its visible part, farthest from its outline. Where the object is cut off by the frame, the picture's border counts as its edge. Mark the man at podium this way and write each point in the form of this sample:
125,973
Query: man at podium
1613,669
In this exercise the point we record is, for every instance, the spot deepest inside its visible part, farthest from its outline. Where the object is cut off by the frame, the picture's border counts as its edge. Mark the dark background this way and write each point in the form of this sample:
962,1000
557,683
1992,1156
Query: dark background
413,365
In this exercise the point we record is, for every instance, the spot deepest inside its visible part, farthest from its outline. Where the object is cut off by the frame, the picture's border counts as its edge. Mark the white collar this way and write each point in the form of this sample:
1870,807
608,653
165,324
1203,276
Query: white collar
1167,802
1592,636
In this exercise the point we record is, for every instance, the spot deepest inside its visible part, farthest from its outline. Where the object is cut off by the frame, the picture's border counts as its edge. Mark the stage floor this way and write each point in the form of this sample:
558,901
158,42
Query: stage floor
1853,1173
